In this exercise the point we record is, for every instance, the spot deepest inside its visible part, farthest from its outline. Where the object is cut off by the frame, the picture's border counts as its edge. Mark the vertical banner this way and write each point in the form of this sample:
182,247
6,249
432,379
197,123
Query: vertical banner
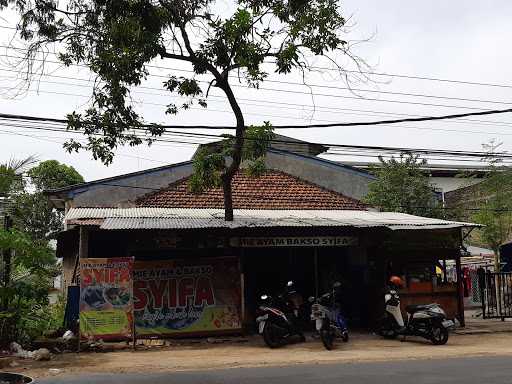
106,298
193,296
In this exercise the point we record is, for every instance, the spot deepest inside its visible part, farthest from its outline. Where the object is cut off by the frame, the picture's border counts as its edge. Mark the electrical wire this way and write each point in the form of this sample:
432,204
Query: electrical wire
471,154
304,84
279,90
272,104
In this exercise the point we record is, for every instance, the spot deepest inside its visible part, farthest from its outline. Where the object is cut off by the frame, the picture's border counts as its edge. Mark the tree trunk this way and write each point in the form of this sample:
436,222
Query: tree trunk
228,174
228,198
6,258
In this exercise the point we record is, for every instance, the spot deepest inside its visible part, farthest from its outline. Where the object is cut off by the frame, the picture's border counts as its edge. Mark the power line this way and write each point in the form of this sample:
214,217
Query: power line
480,154
42,138
273,104
345,153
415,77
96,134
331,145
386,74
320,94
352,124
191,108
351,89
289,117
331,122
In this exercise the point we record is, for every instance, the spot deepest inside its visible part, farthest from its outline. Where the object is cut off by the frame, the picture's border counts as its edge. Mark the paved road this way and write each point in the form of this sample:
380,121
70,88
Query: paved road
481,370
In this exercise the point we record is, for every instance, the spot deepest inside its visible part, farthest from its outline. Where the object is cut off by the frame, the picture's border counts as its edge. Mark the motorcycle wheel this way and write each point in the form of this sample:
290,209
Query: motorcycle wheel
270,336
327,336
386,330
439,334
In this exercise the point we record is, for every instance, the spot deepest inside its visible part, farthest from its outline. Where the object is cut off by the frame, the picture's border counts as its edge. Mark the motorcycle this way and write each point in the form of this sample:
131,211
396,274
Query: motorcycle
278,319
328,319
428,321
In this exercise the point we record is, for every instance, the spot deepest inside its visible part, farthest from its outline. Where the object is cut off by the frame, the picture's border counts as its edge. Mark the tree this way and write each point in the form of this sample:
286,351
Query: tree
31,211
11,181
28,262
24,287
402,186
118,39
51,174
494,194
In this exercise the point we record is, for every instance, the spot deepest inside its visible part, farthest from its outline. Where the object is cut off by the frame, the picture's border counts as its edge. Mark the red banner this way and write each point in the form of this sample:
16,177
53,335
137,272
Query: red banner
192,296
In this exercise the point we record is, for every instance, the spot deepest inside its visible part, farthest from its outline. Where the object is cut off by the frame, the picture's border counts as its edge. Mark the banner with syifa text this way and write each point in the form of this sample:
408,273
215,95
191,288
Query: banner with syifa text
192,296
106,302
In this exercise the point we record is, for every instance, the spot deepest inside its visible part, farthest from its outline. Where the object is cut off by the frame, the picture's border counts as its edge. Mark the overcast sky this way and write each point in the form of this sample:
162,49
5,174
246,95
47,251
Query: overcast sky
462,40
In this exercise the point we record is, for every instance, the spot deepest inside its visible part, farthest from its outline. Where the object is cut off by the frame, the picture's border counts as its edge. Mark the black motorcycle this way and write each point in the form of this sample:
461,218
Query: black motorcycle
278,318
428,321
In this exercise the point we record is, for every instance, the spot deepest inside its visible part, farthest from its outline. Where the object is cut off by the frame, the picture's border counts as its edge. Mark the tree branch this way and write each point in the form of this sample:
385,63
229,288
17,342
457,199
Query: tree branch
175,56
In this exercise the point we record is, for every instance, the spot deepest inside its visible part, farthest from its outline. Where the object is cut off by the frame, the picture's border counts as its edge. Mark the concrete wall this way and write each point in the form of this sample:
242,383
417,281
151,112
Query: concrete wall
448,184
122,191
346,180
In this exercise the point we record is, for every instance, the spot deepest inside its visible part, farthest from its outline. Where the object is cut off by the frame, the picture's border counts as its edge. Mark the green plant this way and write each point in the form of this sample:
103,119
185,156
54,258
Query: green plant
26,281
401,185
495,210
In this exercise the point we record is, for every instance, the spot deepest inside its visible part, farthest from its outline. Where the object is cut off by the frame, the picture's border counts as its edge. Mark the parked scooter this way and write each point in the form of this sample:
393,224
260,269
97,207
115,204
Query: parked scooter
428,321
329,321
278,320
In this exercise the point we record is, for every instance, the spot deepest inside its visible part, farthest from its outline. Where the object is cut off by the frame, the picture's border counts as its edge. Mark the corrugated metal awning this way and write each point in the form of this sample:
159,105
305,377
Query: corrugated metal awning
192,218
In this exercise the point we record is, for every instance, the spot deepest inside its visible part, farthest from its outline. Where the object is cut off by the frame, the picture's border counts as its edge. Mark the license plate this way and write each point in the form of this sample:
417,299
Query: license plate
448,323
261,326
317,315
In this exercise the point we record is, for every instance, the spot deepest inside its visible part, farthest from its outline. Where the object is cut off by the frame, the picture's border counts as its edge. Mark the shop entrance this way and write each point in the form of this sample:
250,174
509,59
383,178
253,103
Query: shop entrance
266,271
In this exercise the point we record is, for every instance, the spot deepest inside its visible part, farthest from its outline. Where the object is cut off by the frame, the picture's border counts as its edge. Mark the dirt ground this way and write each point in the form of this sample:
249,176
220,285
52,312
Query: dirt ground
193,356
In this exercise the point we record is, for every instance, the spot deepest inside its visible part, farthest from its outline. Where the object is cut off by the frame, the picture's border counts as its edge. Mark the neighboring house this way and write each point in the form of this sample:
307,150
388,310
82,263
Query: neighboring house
444,178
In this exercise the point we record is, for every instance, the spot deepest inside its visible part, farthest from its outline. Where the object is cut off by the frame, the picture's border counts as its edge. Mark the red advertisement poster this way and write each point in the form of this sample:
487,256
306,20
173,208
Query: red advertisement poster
106,298
192,296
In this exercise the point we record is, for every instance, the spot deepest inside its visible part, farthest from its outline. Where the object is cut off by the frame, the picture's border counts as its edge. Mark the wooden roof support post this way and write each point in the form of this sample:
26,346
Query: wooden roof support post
317,293
83,243
460,287
83,253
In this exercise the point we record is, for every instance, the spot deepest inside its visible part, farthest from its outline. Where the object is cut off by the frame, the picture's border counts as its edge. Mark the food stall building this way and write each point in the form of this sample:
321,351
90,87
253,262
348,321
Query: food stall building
303,220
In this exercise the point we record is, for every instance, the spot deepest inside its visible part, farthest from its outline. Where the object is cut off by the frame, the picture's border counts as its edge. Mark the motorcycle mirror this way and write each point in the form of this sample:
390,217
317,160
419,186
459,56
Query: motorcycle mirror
311,299
289,284
264,297
337,284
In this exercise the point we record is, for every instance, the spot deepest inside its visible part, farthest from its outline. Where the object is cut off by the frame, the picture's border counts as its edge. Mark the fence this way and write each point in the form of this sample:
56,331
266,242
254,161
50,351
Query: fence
495,294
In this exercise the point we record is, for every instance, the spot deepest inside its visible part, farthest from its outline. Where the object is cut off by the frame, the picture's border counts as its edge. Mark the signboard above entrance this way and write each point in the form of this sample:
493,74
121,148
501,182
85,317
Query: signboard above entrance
301,241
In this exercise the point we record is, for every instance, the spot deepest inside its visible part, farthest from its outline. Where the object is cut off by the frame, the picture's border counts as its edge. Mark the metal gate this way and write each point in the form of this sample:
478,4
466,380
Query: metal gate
495,294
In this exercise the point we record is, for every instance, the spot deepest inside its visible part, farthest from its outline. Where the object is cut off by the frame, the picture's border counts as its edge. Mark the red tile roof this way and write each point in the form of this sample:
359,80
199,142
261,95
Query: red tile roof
272,190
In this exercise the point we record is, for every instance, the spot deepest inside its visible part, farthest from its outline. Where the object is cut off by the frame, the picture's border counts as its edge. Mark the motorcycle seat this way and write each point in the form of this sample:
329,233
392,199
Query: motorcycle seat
418,307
